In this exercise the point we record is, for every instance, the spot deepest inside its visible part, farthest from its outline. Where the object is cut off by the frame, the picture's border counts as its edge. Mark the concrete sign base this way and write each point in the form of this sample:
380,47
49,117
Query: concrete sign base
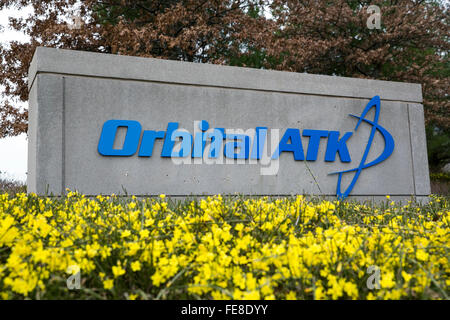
102,124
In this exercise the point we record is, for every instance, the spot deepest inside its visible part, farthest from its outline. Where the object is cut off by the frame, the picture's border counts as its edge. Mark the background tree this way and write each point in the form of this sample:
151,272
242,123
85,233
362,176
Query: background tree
189,30
412,45
314,36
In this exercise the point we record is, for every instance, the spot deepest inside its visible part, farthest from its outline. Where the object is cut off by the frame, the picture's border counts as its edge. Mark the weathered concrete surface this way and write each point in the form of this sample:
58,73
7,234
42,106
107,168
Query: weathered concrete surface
74,93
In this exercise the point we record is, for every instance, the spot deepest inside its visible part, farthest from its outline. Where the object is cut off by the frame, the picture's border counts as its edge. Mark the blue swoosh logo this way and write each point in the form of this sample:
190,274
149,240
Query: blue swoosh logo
388,149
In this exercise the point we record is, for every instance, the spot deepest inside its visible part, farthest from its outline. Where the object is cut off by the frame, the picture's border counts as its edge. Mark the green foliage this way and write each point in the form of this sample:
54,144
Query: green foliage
438,144
112,11
441,176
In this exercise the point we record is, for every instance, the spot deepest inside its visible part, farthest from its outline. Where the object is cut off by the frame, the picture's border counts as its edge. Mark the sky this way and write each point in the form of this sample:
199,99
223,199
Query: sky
13,150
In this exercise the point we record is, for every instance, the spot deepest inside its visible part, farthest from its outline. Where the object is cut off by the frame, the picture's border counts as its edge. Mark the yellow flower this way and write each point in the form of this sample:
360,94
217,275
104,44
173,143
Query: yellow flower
327,245
406,276
132,205
125,234
291,296
136,266
144,233
157,279
387,280
67,243
421,255
118,271
108,284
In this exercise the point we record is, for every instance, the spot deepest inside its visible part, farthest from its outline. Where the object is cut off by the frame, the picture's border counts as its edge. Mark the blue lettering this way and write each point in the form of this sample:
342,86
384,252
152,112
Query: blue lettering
217,137
295,146
336,145
168,142
200,140
108,135
148,141
314,141
258,142
290,142
242,142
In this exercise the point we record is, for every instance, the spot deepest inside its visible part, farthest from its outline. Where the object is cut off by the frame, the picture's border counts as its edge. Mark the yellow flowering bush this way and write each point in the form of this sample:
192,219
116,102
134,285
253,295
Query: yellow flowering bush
222,248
